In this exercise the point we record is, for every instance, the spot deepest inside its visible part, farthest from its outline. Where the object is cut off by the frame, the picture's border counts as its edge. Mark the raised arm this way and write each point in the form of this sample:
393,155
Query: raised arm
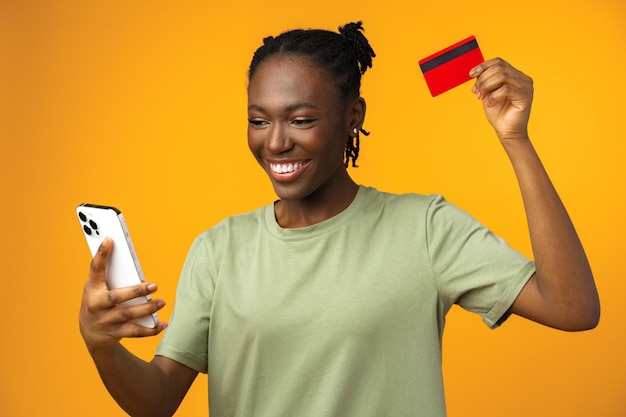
141,388
562,293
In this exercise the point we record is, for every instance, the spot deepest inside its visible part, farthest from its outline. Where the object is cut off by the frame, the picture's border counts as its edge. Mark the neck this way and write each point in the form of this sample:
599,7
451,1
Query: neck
325,203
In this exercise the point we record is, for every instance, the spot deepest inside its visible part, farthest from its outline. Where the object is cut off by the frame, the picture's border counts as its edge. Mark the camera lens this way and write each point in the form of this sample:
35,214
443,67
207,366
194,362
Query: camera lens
93,225
87,230
82,216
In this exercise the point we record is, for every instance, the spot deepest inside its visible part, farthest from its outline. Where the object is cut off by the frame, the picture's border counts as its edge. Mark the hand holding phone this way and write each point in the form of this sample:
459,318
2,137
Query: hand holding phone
123,268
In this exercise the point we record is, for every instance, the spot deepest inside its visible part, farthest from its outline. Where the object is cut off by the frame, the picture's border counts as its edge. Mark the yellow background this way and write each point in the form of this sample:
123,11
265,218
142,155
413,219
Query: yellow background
142,105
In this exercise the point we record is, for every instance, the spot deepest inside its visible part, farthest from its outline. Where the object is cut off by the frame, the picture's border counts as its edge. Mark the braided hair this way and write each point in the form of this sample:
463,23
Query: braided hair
345,55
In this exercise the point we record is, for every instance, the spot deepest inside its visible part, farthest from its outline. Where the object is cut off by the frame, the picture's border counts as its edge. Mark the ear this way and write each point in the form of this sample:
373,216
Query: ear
357,114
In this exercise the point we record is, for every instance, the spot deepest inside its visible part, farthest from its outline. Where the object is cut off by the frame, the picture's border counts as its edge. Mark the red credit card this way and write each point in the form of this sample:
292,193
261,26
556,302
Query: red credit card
450,67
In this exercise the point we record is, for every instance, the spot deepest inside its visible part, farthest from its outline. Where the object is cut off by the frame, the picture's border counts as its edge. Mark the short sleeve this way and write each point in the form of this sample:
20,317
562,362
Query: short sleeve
186,337
473,267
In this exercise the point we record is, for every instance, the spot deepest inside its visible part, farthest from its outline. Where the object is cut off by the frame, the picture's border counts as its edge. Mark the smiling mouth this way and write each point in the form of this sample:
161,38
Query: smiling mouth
287,168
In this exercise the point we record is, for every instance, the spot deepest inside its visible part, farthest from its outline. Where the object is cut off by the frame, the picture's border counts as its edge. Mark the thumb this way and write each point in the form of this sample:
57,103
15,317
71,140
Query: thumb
98,266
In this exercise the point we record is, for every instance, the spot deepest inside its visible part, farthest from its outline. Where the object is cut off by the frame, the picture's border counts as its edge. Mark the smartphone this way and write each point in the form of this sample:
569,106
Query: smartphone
123,269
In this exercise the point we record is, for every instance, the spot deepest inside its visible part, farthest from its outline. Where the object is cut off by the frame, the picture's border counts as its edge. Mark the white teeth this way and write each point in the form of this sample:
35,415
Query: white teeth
286,168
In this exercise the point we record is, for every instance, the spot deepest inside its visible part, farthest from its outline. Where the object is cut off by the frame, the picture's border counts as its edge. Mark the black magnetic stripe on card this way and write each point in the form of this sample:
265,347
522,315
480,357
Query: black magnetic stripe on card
449,56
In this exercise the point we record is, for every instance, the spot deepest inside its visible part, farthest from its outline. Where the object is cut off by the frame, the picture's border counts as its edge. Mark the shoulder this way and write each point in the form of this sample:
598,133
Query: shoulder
430,212
236,223
228,231
413,202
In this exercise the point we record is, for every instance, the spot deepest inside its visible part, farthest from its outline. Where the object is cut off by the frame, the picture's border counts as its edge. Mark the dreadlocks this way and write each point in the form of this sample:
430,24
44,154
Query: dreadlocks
345,55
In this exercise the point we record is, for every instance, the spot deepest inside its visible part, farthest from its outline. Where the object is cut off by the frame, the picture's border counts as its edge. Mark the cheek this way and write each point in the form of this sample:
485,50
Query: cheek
334,143
255,144
327,140
254,140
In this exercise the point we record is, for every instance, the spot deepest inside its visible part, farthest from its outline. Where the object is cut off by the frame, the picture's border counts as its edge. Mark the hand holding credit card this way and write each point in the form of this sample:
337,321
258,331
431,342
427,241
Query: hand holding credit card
450,67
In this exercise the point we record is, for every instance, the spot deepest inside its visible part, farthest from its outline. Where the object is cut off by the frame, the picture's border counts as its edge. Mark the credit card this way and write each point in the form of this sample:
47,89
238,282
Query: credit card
450,67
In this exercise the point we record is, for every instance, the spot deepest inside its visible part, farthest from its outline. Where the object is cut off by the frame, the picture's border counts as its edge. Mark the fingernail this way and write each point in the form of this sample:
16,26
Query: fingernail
151,287
160,304
473,72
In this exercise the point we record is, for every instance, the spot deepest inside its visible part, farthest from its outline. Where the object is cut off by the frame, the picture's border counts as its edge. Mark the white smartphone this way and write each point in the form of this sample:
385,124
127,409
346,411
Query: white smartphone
123,269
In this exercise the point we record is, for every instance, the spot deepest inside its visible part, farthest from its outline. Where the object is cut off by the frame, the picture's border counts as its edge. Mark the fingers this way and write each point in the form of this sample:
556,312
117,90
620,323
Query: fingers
103,299
97,268
106,316
104,322
506,95
121,315
97,294
120,323
497,80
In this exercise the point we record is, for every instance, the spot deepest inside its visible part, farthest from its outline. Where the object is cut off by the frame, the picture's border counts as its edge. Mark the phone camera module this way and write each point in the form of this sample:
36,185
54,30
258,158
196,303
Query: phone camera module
82,216
89,226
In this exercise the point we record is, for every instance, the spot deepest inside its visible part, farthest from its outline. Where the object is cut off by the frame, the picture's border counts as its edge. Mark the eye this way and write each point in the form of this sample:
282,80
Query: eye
302,122
258,122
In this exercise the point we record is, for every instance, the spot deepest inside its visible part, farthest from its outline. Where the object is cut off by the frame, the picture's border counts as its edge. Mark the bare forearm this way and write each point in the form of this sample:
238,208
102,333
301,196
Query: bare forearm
137,386
564,280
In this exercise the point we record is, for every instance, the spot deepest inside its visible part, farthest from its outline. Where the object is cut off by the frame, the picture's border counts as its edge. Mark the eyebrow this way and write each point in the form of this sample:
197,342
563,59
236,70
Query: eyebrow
290,107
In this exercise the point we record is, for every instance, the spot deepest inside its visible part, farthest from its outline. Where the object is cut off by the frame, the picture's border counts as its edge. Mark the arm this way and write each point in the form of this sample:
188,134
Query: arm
141,388
562,292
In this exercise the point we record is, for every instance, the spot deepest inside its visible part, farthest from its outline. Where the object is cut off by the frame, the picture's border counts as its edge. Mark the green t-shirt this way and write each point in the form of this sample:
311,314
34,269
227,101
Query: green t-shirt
343,318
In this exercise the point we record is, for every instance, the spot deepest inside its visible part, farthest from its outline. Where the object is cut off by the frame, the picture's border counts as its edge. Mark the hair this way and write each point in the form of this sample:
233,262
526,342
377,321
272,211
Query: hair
345,56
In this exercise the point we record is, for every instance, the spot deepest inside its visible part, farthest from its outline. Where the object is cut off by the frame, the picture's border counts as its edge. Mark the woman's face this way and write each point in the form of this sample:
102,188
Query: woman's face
298,126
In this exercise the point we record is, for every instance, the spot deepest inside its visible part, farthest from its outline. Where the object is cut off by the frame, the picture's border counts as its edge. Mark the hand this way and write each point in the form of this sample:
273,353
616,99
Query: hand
507,96
103,322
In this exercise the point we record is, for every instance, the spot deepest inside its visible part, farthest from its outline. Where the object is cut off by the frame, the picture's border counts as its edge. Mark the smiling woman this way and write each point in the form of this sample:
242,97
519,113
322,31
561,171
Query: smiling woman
301,125
332,300
344,59
298,129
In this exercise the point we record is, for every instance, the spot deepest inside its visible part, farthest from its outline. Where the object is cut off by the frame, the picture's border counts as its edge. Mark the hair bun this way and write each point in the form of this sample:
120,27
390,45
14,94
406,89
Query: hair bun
353,33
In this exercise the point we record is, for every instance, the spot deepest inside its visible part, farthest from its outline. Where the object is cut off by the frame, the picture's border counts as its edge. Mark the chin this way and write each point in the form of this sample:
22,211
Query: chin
289,193
293,191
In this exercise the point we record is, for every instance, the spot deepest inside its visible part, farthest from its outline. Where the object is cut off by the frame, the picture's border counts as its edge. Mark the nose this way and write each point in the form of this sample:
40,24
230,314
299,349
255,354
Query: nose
278,140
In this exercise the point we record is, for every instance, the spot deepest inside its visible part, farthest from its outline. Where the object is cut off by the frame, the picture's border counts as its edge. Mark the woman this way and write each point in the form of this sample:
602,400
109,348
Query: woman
332,300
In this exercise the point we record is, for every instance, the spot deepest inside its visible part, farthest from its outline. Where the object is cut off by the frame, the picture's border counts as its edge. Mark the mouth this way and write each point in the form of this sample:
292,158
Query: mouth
287,170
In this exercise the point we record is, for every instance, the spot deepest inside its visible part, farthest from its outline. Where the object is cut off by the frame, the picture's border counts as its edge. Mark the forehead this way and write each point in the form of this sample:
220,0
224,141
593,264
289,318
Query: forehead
290,78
